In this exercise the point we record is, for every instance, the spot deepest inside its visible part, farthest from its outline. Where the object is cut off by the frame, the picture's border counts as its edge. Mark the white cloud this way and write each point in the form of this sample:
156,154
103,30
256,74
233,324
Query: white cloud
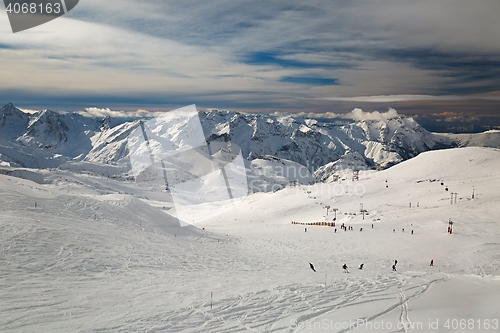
358,114
104,112
98,112
355,114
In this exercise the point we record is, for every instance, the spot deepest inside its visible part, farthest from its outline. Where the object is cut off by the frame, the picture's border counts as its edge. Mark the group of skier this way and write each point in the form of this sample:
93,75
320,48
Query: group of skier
348,227
402,230
346,268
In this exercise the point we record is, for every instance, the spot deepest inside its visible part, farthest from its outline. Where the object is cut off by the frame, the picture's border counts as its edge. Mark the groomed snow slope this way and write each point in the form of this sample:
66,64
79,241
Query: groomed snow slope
85,261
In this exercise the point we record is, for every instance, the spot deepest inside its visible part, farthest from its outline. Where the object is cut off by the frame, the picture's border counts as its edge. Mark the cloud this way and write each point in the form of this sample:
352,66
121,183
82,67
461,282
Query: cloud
104,112
248,55
356,114
450,116
97,112
408,98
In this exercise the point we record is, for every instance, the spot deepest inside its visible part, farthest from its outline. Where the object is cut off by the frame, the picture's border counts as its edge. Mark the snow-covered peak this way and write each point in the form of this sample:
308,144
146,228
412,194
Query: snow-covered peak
13,122
9,110
377,140
45,130
381,141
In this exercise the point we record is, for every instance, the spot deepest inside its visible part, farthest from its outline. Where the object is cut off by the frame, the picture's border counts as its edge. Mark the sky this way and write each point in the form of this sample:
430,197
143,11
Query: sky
437,60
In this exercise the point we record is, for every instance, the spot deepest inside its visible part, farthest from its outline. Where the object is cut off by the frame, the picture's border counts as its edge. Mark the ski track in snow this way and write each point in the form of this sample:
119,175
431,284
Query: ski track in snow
403,318
261,311
75,261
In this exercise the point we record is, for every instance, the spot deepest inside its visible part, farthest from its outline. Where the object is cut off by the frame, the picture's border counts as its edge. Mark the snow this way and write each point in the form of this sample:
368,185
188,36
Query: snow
489,138
49,139
83,253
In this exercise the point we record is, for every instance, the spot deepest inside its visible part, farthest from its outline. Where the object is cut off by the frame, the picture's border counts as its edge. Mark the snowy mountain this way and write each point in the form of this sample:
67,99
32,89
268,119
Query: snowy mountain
315,143
489,138
324,146
86,247
45,139
83,253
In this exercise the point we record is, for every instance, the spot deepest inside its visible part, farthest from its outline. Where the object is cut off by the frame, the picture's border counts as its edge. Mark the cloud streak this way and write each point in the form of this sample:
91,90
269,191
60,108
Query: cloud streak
255,56
408,98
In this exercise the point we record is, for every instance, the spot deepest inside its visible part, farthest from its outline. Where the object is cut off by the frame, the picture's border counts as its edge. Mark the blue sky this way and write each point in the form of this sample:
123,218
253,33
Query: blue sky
438,58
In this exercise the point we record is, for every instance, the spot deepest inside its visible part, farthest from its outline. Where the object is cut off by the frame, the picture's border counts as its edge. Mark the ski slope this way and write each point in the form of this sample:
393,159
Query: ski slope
81,253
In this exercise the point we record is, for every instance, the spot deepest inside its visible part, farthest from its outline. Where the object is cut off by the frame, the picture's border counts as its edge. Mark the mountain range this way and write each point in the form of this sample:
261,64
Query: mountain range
325,146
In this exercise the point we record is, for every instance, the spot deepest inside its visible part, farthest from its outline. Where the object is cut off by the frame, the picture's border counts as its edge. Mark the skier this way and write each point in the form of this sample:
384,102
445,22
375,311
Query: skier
305,229
412,232
361,266
395,262
393,268
312,267
432,262
345,268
